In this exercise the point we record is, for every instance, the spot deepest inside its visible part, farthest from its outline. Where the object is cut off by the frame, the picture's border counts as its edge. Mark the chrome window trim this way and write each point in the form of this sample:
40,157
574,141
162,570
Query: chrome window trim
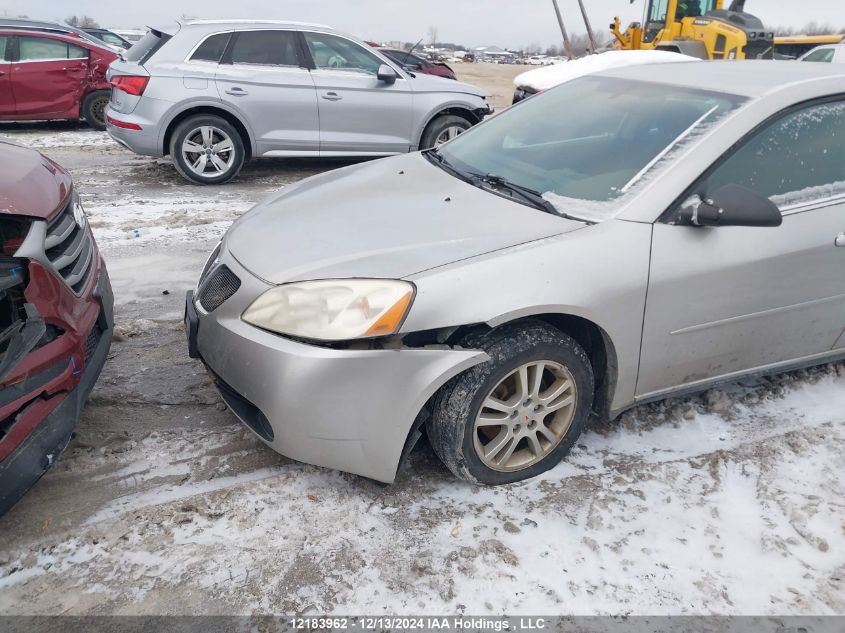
812,205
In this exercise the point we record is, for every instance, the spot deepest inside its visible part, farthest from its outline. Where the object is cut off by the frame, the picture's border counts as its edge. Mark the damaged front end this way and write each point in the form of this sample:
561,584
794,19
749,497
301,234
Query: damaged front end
53,343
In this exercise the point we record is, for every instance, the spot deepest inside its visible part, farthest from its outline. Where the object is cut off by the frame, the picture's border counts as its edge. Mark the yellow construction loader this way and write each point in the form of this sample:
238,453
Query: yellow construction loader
700,28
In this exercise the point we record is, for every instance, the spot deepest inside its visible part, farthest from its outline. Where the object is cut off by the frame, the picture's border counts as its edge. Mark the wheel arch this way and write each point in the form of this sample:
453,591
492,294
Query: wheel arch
216,110
456,109
594,339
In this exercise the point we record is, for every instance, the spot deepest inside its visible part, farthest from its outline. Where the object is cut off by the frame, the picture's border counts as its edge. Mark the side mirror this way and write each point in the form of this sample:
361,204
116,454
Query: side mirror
731,205
387,74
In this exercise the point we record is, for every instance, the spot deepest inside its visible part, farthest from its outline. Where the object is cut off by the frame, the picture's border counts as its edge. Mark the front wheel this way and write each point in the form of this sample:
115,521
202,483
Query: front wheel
516,415
207,150
94,109
443,128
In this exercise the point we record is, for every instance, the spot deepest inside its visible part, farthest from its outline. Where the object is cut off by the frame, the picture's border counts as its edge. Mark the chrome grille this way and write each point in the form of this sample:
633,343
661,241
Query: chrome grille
217,287
70,249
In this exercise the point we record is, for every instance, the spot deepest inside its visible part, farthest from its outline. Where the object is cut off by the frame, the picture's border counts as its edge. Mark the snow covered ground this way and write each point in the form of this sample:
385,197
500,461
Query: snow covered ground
729,502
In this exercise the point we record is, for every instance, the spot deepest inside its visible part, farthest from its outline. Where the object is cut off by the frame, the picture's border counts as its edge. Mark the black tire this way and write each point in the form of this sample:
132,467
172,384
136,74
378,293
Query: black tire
94,109
457,404
438,126
188,127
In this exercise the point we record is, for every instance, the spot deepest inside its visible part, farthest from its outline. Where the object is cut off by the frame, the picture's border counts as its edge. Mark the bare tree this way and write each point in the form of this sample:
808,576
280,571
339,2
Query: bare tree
432,35
82,22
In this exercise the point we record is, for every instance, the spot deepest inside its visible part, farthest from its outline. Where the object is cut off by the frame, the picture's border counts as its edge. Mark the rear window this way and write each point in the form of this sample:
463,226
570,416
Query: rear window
211,50
144,48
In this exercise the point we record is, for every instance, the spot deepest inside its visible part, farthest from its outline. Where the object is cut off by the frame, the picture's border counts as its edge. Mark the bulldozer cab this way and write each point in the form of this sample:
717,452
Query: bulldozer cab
699,28
667,14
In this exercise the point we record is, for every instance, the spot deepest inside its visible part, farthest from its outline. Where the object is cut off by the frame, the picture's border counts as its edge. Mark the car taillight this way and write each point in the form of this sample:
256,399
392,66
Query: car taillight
130,84
126,125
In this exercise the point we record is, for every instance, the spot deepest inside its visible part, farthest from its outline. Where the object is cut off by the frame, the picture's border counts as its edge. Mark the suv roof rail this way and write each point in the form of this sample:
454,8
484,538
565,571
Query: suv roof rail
248,21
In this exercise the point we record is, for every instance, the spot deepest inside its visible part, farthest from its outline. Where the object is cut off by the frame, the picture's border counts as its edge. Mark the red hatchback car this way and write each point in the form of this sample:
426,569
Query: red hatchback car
47,75
55,316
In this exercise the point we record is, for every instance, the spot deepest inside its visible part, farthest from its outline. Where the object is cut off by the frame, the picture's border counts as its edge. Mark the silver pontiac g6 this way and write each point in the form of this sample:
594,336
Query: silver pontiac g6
623,237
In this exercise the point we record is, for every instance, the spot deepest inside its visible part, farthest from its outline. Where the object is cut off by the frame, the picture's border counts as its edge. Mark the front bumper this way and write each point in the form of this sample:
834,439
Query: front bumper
34,456
351,410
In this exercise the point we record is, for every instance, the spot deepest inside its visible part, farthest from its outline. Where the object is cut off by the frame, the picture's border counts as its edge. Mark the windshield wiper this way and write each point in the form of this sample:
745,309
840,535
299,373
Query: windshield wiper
534,198
433,155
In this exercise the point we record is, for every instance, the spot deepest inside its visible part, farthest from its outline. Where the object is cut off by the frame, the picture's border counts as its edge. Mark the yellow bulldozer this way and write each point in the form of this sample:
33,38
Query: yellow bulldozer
699,28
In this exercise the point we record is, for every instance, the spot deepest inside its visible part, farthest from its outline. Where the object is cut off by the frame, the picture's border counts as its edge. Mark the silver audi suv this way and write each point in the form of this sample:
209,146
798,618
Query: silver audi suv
213,94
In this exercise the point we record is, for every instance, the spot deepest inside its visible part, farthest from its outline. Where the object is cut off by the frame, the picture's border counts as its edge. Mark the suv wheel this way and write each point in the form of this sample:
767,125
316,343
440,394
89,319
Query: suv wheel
516,415
94,109
207,149
443,128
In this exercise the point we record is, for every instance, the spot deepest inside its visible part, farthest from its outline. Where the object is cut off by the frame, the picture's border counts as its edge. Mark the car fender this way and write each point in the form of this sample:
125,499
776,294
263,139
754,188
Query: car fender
203,102
432,106
603,279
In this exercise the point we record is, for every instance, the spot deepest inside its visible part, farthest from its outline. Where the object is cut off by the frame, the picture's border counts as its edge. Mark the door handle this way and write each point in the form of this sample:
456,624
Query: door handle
237,92
840,240
332,96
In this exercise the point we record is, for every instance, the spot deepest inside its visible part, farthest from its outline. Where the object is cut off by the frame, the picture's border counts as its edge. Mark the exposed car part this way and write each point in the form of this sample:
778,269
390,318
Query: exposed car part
55,316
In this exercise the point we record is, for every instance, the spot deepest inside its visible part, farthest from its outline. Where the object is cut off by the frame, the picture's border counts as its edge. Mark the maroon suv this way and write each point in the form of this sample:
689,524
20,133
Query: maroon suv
415,63
51,75
55,316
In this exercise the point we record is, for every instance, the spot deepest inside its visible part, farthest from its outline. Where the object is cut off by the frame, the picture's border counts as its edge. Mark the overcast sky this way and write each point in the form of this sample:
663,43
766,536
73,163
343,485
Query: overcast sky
507,23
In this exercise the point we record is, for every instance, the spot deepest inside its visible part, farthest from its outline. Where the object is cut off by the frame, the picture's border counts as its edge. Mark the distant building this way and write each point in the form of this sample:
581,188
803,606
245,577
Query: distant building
493,53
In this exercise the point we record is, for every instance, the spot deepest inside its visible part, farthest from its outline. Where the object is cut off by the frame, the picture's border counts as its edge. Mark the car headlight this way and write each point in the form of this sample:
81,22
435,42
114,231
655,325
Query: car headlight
333,309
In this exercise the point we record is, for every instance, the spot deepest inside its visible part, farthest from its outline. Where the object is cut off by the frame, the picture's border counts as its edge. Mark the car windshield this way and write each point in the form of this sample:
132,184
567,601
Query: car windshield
587,143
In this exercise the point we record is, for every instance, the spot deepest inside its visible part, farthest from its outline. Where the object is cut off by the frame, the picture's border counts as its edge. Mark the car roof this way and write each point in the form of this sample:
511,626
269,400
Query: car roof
236,24
750,78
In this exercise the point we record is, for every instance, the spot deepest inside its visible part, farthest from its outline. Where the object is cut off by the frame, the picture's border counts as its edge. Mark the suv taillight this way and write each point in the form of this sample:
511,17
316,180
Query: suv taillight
130,84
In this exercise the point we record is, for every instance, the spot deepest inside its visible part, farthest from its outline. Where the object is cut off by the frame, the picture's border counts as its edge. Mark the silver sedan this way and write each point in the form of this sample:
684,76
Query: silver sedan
624,237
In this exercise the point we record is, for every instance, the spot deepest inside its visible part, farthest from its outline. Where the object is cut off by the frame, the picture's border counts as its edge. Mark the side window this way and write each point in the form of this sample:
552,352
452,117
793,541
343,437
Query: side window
211,49
76,52
44,48
820,55
5,55
795,159
336,53
265,48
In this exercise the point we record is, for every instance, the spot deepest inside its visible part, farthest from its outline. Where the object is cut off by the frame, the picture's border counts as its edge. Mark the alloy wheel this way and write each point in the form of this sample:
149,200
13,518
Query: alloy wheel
525,416
448,134
208,151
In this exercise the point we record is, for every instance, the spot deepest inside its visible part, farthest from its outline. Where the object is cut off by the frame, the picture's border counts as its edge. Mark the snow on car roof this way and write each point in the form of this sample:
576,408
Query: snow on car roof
551,76
750,78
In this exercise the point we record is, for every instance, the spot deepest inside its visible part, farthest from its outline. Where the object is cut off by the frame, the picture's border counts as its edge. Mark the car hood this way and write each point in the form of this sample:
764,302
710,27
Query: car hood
30,183
433,83
388,218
